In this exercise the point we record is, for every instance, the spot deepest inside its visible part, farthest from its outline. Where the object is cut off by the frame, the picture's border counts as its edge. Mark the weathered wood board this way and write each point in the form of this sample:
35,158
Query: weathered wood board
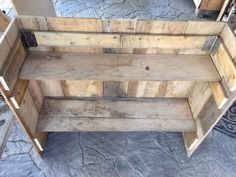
116,115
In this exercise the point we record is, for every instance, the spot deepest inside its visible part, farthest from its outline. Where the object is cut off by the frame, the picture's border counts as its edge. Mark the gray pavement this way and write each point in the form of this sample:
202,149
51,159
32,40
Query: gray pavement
137,154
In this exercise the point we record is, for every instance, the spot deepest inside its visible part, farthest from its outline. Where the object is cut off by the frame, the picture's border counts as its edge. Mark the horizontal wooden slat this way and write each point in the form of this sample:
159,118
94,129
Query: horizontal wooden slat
72,66
115,115
142,26
119,40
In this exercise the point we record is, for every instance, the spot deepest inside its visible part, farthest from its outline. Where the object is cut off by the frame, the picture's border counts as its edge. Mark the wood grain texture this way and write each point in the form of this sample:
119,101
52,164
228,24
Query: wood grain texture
125,26
171,89
82,88
69,66
34,7
190,141
225,66
118,40
7,41
28,23
51,87
37,96
6,128
229,41
205,27
28,113
114,88
19,93
11,68
74,24
198,97
218,93
161,27
36,93
4,21
212,5
116,115
4,50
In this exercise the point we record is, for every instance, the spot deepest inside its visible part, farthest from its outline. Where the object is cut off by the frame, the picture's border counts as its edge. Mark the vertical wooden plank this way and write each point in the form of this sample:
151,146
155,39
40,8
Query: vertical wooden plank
7,41
37,97
229,41
4,21
82,88
225,66
4,50
191,141
6,119
51,87
19,93
34,7
115,88
36,93
11,68
198,97
218,93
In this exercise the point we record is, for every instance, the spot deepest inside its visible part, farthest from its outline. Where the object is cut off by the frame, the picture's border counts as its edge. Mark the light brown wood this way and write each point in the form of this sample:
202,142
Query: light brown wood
7,41
161,27
5,129
4,21
114,88
37,97
225,66
34,7
171,89
82,88
118,40
229,41
180,72
218,93
36,93
74,24
116,115
69,66
121,26
190,141
223,9
198,97
28,23
11,68
204,27
28,112
19,93
212,5
51,87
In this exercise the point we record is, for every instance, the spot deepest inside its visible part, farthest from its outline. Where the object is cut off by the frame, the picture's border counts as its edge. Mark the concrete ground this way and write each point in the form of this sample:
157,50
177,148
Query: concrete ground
140,154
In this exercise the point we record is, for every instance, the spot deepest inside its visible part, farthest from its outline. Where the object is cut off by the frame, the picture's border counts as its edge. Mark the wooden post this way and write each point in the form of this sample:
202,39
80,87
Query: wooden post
34,7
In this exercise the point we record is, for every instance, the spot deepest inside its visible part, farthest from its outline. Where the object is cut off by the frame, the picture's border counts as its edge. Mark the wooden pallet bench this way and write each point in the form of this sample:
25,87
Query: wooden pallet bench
71,74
